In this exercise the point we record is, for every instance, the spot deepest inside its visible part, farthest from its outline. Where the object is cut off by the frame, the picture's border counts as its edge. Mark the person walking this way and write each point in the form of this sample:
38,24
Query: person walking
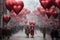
27,31
0,33
54,34
32,31
44,32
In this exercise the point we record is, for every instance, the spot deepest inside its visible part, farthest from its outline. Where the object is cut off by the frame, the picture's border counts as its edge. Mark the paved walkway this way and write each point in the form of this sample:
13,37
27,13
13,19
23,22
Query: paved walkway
21,36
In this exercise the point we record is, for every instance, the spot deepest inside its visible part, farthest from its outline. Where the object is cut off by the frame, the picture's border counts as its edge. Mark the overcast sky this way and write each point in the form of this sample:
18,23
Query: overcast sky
31,4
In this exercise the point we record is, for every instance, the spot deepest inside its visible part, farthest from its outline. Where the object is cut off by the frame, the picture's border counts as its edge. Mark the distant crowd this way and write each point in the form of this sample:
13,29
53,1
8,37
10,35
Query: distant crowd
6,32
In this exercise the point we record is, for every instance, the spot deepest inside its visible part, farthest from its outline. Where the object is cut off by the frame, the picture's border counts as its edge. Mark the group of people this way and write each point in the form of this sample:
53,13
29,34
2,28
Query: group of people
5,33
54,33
29,30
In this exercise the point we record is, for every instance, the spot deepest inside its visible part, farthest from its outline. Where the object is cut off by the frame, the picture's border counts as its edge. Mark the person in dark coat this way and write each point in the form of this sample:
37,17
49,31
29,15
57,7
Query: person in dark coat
44,32
8,32
0,33
54,34
27,31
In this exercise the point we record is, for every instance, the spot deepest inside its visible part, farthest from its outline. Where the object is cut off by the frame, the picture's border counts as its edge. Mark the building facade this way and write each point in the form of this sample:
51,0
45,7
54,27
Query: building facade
3,11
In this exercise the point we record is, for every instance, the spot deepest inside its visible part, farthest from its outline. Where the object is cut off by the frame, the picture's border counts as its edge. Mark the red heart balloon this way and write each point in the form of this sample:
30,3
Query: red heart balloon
18,6
31,22
55,14
42,10
15,5
51,22
48,13
46,3
6,18
9,4
57,3
24,11
36,12
57,20
52,9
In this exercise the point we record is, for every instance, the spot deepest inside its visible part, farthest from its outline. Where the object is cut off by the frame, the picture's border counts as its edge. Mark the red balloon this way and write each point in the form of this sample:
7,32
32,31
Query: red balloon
42,10
46,3
6,18
36,12
18,6
55,14
57,3
52,9
51,22
48,13
32,22
9,4
25,11
15,5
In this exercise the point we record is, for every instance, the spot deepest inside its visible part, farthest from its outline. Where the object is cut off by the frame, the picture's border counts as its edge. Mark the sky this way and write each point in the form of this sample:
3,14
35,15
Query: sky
31,4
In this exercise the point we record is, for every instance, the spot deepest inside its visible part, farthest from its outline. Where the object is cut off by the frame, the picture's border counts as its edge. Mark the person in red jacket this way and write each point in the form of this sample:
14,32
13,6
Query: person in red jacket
32,31
32,24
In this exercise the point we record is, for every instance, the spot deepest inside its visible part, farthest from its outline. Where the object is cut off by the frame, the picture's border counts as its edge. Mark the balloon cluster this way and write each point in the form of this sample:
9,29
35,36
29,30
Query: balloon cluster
32,22
14,5
16,9
49,7
49,3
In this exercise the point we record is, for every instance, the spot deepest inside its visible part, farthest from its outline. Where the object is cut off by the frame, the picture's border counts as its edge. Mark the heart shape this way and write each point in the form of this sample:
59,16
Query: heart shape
48,13
17,6
17,9
9,4
6,18
52,9
46,3
42,11
55,14
31,22
57,3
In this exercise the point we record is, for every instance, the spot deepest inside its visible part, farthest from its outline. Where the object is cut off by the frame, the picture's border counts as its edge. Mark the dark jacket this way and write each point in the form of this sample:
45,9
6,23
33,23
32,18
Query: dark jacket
54,33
